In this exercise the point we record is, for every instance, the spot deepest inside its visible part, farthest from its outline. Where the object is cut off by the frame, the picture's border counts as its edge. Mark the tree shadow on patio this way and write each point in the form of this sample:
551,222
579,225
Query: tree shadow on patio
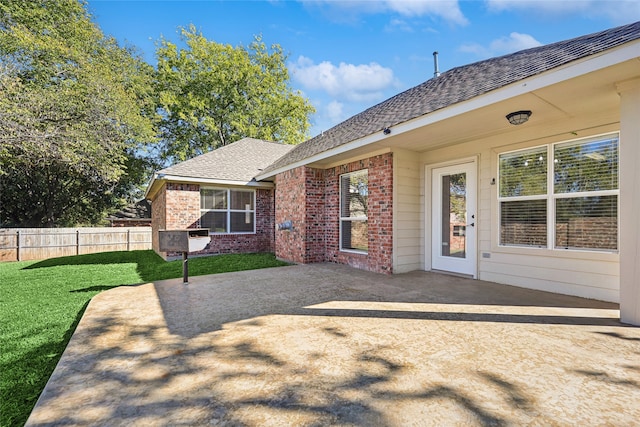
242,348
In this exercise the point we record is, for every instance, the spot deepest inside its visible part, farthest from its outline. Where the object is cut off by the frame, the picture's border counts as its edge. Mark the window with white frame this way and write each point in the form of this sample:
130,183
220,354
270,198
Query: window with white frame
354,194
225,210
561,196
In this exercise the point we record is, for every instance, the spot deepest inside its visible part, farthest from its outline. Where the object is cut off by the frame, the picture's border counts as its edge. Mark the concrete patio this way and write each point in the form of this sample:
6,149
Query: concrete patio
328,345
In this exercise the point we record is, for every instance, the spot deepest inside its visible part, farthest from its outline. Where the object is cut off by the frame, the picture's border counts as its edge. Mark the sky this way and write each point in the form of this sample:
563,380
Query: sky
346,56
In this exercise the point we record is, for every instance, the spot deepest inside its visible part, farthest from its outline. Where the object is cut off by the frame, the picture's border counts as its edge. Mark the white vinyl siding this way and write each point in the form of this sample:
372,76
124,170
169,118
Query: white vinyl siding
408,234
586,273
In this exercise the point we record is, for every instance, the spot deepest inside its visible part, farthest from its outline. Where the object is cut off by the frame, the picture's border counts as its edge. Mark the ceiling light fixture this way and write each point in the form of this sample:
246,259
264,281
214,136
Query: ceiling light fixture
518,117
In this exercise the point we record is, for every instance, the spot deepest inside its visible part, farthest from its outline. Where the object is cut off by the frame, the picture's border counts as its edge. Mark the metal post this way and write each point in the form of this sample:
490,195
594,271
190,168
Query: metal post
18,245
77,242
185,268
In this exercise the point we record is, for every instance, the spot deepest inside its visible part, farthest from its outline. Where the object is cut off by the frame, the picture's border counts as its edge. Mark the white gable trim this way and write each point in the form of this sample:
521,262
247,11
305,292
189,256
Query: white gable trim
159,178
227,182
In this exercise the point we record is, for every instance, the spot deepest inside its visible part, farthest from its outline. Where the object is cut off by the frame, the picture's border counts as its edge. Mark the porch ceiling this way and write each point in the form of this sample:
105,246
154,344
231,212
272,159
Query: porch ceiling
580,102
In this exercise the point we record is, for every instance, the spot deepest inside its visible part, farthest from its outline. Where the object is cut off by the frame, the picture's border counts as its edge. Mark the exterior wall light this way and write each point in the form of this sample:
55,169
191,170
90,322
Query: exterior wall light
386,131
518,117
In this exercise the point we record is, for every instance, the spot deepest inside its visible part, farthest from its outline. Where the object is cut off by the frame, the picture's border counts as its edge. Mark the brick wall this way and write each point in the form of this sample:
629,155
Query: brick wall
177,206
290,202
265,221
158,218
315,216
380,215
261,241
182,206
310,198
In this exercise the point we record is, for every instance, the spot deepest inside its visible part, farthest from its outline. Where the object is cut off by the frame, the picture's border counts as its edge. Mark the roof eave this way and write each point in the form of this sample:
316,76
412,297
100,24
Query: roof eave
151,191
159,179
370,139
557,75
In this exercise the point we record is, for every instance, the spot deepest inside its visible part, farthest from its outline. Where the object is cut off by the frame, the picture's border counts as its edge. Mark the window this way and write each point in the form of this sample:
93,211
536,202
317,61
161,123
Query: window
354,193
561,196
227,210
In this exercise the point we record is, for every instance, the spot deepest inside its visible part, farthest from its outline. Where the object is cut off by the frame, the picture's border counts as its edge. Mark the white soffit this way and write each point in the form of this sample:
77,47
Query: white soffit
203,181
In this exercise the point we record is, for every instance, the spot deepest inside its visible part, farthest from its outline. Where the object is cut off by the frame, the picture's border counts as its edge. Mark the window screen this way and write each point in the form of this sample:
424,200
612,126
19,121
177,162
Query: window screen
587,222
523,173
227,210
589,166
578,210
523,223
354,197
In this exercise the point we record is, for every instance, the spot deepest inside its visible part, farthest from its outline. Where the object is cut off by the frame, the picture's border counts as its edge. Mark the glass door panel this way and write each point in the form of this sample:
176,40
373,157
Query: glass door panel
454,215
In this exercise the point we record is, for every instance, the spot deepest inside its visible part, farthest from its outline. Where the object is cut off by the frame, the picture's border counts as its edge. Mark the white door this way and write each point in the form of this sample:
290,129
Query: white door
453,217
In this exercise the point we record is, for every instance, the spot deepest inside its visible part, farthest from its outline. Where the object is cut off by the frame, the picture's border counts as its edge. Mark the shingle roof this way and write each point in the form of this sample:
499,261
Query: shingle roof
239,161
457,85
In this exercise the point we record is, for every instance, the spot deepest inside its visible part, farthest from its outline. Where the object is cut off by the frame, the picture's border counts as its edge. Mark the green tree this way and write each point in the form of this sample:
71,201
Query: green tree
211,94
76,115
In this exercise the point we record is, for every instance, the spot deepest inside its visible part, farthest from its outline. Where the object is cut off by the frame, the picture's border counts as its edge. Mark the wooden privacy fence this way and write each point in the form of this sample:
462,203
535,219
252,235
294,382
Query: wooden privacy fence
21,244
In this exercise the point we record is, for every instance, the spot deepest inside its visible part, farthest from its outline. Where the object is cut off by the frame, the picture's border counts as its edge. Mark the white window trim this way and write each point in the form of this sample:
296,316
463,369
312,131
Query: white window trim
342,219
551,196
228,210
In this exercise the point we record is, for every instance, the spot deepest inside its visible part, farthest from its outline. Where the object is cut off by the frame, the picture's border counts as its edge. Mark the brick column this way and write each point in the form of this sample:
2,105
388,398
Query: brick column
290,201
381,213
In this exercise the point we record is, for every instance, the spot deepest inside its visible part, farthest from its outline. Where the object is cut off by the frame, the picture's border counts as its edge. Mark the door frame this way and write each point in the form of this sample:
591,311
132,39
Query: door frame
428,215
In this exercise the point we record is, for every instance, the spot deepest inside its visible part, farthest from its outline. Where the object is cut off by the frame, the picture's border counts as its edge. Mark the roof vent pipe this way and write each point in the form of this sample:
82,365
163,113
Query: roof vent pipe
436,71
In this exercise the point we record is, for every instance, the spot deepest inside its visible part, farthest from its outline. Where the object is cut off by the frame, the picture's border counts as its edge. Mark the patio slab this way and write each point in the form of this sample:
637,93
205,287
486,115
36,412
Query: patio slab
326,344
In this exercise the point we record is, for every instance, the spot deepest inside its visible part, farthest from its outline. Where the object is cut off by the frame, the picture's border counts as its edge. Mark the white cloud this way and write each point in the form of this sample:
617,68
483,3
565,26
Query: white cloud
550,6
448,10
512,43
334,111
330,113
355,83
616,11
399,25
475,49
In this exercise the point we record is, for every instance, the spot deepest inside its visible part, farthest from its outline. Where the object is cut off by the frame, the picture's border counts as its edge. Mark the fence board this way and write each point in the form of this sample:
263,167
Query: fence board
21,244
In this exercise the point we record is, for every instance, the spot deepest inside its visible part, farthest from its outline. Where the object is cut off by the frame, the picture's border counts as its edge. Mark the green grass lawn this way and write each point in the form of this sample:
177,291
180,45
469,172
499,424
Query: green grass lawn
41,302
